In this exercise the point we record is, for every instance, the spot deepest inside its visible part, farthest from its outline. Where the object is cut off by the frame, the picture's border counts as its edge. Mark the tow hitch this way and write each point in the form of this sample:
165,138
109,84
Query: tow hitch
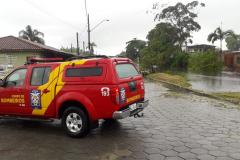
138,115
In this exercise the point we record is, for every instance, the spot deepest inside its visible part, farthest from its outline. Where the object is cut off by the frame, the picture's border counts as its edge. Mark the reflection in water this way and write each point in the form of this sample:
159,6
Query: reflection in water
226,82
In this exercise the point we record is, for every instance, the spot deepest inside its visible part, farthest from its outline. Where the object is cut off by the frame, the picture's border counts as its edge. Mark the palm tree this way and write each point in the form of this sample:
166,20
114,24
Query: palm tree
219,34
32,35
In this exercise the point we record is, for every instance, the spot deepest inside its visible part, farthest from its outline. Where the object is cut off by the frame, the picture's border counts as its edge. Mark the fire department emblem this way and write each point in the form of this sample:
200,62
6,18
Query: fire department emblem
105,91
35,98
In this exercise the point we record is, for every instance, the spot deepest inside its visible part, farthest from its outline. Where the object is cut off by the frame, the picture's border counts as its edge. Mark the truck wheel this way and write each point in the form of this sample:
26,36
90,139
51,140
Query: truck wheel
75,122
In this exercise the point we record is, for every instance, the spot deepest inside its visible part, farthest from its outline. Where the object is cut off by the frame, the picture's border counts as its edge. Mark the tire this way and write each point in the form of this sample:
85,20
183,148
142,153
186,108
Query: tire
75,122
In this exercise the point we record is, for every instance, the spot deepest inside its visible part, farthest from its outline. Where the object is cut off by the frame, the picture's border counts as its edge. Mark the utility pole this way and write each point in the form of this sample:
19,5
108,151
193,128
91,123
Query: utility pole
83,47
77,45
221,27
71,48
89,41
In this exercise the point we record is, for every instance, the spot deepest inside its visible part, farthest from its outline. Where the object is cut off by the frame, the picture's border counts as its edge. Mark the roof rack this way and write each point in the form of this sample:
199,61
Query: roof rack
86,57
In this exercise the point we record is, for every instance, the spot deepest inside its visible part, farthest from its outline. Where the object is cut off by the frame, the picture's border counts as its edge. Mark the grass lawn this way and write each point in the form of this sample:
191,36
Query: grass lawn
174,79
231,96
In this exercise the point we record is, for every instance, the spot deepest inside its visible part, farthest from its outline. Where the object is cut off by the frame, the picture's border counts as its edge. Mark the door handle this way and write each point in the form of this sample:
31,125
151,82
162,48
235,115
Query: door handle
45,91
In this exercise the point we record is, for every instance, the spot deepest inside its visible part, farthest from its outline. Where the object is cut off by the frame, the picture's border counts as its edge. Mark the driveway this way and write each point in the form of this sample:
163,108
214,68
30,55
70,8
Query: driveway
175,126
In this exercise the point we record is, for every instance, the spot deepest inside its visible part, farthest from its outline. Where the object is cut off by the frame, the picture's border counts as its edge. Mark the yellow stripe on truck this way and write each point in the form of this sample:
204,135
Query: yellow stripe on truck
131,99
55,77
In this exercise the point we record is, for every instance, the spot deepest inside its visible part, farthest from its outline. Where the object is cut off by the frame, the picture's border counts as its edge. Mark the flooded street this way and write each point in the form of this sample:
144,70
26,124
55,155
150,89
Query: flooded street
226,82
175,126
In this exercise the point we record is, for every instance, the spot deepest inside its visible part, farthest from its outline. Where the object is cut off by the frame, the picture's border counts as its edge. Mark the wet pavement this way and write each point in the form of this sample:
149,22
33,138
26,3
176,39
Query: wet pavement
175,126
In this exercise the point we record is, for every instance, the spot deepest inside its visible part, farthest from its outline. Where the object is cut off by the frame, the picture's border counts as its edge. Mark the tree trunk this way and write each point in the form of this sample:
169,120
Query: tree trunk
221,46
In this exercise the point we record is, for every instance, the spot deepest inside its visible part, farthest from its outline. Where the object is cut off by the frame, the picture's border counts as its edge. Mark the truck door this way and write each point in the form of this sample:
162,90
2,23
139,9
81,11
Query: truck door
12,93
41,90
130,83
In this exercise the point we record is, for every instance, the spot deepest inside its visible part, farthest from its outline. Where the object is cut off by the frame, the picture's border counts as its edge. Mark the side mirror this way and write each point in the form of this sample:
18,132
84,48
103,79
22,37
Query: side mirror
10,84
1,82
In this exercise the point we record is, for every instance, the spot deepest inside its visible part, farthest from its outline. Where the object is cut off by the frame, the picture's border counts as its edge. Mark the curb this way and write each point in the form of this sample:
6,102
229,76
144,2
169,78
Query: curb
196,92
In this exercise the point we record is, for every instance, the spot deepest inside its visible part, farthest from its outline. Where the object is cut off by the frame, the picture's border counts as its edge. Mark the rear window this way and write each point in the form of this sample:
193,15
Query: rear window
84,72
126,70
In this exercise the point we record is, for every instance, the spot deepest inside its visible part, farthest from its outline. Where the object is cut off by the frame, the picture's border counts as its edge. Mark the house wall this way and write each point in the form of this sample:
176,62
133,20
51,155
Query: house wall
228,60
16,59
237,62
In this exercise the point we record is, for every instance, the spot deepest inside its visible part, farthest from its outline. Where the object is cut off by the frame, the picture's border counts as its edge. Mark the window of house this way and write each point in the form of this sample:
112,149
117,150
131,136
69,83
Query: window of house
40,76
238,60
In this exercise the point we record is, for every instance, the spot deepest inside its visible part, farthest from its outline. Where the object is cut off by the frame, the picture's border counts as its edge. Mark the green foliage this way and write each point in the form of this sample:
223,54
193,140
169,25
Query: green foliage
69,49
148,59
182,17
32,35
233,42
229,96
180,61
134,47
162,37
208,63
178,80
162,50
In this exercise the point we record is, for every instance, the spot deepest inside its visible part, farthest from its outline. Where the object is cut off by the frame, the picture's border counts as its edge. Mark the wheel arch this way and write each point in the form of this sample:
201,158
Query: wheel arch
77,100
71,103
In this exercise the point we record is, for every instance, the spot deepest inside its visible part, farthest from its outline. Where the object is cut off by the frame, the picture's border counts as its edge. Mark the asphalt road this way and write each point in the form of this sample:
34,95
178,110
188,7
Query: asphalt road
175,126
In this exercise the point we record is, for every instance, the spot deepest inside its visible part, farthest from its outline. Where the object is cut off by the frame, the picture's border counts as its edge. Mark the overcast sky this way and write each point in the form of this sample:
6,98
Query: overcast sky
59,20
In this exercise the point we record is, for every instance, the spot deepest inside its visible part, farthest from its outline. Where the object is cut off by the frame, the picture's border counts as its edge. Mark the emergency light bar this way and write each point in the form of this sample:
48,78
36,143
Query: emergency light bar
31,60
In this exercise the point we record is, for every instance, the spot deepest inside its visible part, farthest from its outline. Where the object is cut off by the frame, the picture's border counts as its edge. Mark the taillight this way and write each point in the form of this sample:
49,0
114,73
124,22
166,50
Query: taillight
115,95
142,86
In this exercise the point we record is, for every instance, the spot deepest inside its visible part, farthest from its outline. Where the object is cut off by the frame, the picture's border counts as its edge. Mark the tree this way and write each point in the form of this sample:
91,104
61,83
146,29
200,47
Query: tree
233,42
162,37
182,17
219,34
163,49
134,47
32,35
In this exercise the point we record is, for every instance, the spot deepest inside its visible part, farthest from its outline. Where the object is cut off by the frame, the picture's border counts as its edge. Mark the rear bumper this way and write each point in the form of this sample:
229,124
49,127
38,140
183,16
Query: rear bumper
128,112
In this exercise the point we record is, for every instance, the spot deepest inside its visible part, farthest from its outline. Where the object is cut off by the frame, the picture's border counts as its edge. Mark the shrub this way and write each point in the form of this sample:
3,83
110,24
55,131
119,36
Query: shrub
180,61
207,63
170,59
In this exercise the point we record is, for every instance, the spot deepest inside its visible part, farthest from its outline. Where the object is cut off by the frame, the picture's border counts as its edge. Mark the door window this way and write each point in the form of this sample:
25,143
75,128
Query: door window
17,78
40,76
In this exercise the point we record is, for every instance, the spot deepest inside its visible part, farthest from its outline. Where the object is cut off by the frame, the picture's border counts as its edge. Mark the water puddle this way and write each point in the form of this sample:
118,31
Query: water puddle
225,82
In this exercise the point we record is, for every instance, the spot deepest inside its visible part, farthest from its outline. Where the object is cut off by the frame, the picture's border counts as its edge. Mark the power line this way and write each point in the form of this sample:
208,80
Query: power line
49,13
